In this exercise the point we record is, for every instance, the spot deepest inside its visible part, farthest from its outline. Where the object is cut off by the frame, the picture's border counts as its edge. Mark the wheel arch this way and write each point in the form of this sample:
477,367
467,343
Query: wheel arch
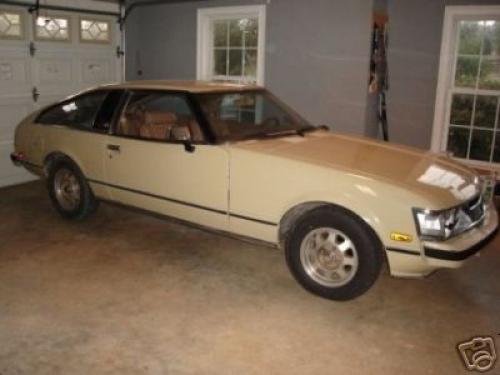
294,213
54,157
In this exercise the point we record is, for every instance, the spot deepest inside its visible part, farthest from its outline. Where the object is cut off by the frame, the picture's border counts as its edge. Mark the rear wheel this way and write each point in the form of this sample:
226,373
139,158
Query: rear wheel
333,253
69,191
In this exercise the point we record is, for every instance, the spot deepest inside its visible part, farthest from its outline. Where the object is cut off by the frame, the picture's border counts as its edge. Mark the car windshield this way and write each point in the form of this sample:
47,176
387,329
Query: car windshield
236,116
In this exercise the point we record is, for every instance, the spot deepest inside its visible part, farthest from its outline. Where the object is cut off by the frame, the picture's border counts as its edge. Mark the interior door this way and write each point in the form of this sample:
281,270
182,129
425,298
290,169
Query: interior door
147,168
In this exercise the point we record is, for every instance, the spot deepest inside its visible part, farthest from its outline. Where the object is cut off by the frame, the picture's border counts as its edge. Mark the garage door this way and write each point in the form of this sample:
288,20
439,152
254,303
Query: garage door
44,58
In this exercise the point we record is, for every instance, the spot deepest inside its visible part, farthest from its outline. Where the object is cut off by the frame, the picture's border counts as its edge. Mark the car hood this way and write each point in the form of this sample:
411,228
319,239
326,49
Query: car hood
438,178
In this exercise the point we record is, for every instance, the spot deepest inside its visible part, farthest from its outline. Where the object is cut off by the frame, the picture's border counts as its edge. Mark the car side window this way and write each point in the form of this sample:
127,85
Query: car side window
78,112
106,113
156,115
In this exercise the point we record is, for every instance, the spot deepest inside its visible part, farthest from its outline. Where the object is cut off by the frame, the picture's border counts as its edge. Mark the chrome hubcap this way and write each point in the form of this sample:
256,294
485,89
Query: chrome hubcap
329,257
67,189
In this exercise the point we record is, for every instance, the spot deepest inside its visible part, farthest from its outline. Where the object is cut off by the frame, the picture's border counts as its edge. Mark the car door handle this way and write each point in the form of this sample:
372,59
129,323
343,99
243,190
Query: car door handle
115,148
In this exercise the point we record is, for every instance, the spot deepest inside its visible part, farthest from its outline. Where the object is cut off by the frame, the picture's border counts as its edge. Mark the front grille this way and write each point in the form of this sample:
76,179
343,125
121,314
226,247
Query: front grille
474,209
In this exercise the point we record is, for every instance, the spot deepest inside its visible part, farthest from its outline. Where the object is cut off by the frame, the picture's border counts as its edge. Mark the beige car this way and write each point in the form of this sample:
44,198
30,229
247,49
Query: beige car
235,159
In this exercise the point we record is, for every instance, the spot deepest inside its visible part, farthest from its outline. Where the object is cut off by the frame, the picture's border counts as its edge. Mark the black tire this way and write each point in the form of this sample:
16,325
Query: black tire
86,203
367,246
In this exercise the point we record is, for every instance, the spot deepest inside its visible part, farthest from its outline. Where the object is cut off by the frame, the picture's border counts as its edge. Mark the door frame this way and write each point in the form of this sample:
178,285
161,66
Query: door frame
447,68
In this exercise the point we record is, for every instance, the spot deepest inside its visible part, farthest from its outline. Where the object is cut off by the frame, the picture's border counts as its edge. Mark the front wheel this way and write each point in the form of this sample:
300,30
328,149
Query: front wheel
334,254
69,191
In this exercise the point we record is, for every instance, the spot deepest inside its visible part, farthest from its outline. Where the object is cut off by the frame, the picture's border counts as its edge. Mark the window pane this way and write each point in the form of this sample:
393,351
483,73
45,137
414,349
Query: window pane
235,67
220,34
52,28
251,63
14,19
78,112
235,116
153,115
236,28
107,110
470,38
486,109
492,38
496,155
467,71
235,43
220,63
458,141
94,31
10,25
490,74
480,148
461,109
252,33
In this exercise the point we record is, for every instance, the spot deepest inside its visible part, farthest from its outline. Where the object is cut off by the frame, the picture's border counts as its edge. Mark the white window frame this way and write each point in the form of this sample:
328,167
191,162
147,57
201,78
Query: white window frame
205,38
446,74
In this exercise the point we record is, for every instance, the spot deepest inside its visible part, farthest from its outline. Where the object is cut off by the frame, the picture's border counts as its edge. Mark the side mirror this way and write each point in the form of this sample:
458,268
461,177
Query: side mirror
181,133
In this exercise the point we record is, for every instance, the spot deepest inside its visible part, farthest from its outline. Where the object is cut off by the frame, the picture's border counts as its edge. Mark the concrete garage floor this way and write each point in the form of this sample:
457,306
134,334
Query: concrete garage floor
125,293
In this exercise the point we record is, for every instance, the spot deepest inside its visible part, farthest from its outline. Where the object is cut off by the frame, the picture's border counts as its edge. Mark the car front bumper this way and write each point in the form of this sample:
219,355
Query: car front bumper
452,253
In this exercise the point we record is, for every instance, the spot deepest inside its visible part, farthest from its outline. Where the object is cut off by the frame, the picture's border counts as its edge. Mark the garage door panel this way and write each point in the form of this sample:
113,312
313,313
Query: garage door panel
15,77
10,174
46,100
54,71
12,114
49,72
95,71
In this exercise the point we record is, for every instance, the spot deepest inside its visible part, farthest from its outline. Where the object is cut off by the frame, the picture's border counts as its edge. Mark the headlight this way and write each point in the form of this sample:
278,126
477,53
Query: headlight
441,225
437,225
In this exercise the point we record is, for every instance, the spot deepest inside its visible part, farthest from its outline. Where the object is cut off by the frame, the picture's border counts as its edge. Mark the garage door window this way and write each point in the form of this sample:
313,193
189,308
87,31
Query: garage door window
95,31
52,28
11,26
231,44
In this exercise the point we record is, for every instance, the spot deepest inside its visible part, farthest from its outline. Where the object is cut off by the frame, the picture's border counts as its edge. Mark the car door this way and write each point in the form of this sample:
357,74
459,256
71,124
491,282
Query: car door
147,167
78,128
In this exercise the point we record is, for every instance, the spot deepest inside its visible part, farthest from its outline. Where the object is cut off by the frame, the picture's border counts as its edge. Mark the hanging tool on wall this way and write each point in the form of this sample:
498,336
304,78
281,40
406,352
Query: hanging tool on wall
379,82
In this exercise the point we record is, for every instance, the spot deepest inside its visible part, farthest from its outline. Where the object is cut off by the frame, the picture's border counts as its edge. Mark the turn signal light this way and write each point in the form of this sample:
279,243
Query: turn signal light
401,237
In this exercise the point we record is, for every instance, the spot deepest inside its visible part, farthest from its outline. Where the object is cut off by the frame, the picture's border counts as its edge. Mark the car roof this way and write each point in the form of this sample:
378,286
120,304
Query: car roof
188,86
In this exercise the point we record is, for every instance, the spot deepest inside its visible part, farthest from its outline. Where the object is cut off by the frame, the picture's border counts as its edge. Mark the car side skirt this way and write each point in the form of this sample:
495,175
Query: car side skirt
188,204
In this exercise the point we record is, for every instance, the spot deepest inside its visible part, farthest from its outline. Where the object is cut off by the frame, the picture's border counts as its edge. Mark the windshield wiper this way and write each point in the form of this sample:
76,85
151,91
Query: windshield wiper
284,133
306,129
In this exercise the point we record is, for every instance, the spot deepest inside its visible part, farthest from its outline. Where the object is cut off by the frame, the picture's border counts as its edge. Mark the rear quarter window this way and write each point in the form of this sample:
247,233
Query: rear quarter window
78,112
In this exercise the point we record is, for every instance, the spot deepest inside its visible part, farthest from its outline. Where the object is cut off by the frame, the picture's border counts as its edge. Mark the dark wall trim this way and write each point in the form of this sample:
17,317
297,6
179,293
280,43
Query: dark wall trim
188,204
